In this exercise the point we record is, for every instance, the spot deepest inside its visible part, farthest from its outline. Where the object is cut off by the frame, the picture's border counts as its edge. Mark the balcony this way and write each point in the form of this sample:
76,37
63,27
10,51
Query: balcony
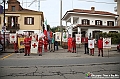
15,27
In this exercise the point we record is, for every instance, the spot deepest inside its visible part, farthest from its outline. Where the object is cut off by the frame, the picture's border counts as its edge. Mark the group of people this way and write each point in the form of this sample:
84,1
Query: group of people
99,46
42,42
72,45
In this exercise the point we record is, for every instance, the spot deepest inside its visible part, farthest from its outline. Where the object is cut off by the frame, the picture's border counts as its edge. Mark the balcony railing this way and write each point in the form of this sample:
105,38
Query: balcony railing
14,27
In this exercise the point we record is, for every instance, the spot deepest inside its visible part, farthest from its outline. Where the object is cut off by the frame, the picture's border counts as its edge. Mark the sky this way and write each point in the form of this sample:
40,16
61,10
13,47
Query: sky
51,8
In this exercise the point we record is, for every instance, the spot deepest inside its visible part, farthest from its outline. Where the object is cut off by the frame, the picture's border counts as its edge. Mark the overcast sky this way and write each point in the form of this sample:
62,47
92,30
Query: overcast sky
51,8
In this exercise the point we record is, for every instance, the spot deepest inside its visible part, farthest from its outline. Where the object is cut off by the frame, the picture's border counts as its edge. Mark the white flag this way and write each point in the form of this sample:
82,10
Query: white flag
78,38
91,44
34,47
106,42
13,38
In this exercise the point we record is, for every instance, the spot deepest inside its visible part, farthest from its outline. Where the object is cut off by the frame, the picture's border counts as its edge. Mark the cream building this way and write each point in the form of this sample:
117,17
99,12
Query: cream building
20,20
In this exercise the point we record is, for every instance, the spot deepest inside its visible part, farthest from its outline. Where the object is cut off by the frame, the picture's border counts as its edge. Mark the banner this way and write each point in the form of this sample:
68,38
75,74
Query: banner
65,36
13,38
106,42
34,47
78,38
91,44
58,36
21,43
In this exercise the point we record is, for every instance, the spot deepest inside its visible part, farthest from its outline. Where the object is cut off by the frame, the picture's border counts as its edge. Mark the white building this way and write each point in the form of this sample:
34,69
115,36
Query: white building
117,9
90,22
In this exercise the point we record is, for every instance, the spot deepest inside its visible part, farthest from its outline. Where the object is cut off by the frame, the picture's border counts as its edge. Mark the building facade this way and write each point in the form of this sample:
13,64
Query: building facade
117,9
90,22
20,20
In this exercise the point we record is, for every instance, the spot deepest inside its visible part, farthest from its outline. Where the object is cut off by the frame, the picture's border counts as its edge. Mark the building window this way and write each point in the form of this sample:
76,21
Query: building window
98,22
113,31
13,8
29,20
110,23
85,22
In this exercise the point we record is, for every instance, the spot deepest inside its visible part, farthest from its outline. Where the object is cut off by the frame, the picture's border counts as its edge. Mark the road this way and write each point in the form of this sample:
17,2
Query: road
59,66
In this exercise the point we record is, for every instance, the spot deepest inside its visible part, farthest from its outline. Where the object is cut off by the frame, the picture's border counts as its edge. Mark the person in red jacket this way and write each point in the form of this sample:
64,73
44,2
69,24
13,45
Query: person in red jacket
15,47
27,45
69,43
74,45
100,46
45,43
40,44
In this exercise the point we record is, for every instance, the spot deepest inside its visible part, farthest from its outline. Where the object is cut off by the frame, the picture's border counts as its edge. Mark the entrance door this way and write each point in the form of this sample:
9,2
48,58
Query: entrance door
96,34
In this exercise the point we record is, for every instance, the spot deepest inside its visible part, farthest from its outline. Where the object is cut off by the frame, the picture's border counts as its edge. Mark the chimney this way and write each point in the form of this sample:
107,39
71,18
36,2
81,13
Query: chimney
92,9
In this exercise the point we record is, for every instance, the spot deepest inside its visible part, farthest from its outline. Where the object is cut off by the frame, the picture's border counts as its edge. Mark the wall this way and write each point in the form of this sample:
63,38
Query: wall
37,22
118,11
92,19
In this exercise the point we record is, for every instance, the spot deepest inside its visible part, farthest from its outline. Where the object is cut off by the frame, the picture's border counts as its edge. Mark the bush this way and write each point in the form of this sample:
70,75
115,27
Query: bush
115,37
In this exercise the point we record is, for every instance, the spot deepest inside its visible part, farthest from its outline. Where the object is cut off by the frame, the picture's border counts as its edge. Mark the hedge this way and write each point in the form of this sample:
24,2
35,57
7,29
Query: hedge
115,37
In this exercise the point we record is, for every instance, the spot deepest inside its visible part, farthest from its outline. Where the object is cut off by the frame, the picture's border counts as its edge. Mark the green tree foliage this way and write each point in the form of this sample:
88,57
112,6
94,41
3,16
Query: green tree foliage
115,37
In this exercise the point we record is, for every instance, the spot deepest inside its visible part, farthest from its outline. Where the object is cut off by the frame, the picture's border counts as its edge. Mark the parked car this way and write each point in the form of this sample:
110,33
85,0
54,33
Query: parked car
118,48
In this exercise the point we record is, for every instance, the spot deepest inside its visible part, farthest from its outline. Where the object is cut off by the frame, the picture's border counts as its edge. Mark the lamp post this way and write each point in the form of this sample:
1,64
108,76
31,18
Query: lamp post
4,26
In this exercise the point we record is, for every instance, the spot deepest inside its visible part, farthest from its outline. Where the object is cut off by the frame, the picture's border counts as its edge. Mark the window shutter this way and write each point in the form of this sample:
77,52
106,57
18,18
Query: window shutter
100,22
9,21
95,22
33,20
25,20
112,23
82,21
107,23
88,22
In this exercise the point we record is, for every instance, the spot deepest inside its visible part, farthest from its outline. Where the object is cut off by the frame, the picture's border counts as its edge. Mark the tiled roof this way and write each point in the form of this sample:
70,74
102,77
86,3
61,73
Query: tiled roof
91,12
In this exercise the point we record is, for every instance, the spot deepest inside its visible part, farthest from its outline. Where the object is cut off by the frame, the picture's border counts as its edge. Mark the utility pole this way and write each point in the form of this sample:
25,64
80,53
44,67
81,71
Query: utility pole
38,3
4,26
61,20
61,14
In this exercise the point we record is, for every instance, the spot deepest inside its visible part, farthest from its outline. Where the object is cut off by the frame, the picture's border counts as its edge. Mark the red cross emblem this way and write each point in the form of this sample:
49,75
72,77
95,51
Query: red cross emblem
34,45
90,44
13,37
106,42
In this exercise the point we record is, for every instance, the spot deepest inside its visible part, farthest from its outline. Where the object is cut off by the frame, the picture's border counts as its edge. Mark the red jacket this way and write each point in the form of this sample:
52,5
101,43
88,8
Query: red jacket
84,40
100,43
45,41
69,41
40,43
45,32
27,42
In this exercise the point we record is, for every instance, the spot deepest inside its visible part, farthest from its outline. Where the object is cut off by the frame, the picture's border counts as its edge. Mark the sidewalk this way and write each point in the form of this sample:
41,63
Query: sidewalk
62,54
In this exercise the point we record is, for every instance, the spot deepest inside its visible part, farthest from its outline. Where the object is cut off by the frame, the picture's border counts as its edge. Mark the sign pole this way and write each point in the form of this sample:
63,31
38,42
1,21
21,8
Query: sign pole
4,26
108,53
